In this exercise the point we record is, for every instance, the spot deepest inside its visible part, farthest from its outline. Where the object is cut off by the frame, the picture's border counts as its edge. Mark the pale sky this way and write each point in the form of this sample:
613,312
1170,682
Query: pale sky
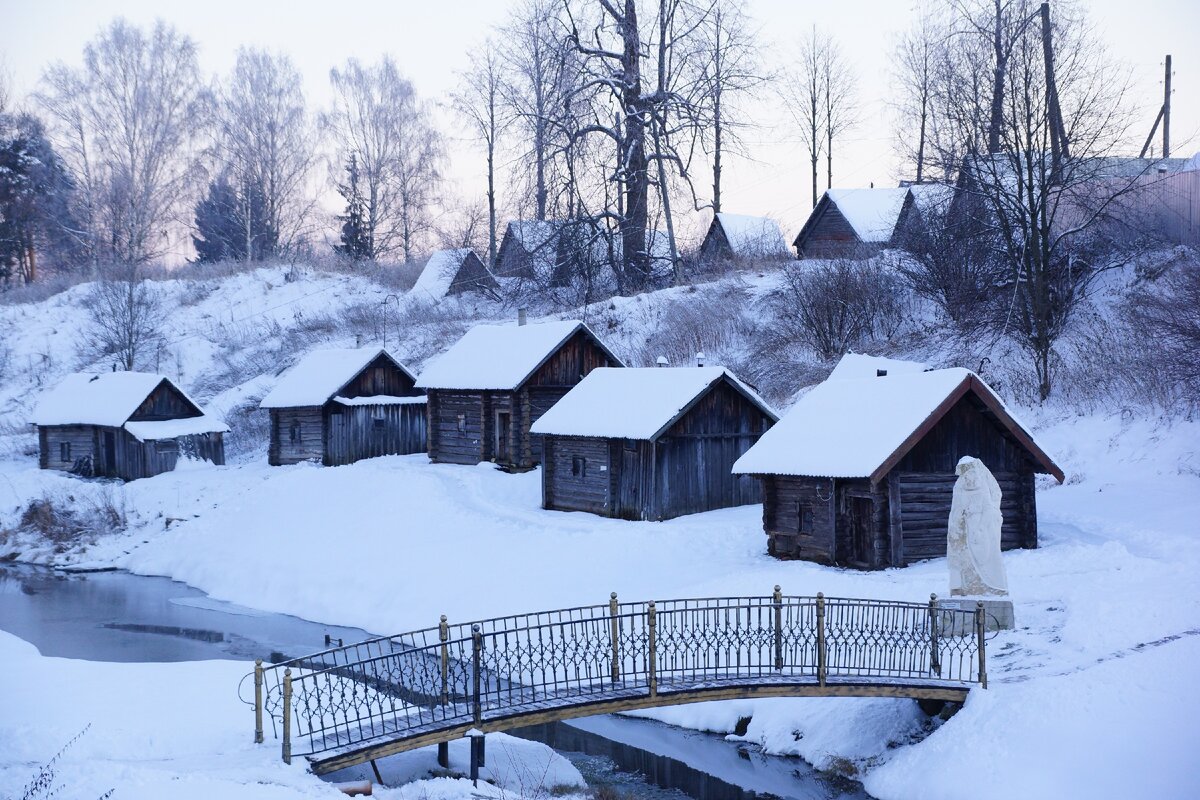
430,42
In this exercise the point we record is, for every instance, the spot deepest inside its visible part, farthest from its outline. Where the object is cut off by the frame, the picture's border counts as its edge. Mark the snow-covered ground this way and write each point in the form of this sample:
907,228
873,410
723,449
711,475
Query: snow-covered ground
1092,696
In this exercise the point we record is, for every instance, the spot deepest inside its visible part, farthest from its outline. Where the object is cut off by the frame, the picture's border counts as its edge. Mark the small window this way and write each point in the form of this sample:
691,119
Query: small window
64,451
294,433
804,519
462,423
379,422
578,467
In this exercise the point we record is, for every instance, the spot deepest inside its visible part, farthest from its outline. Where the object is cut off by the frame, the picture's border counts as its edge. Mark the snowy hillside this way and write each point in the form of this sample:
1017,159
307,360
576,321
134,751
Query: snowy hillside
1085,697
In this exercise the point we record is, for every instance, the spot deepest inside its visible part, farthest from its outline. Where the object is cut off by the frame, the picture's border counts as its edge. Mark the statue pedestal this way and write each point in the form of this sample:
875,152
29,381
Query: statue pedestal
997,613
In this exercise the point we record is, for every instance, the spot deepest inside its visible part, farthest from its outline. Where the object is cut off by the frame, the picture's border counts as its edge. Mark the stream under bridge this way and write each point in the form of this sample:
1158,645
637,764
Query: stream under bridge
352,704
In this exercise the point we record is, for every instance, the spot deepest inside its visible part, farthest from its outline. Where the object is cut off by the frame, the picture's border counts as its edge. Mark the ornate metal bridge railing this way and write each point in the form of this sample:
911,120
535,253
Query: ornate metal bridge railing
398,692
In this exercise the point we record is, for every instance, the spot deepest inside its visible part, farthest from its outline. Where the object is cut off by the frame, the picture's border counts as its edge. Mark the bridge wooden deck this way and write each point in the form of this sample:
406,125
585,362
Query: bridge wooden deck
353,704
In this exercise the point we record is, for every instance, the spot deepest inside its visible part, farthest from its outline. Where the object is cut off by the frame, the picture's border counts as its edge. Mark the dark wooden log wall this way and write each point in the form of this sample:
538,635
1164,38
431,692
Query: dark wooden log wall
380,377
357,432
472,276
783,496
81,438
832,236
165,402
448,444
310,444
925,512
588,488
715,246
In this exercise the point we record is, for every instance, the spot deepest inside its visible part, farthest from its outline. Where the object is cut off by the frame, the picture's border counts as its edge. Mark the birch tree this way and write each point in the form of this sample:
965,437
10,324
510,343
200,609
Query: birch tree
479,101
129,124
377,118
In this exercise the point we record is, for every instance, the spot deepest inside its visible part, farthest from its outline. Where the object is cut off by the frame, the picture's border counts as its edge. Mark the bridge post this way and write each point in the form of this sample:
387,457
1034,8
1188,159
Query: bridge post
777,602
935,664
615,632
820,638
476,653
652,648
981,636
258,703
444,637
287,715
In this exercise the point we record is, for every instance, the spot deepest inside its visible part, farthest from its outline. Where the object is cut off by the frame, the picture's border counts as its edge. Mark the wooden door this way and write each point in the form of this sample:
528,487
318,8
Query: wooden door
862,539
628,503
503,430
110,454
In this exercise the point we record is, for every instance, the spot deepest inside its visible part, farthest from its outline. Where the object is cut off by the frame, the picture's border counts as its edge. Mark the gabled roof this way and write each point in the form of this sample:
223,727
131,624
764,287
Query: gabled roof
860,365
751,236
536,237
108,399
862,427
440,271
500,357
636,403
871,212
322,374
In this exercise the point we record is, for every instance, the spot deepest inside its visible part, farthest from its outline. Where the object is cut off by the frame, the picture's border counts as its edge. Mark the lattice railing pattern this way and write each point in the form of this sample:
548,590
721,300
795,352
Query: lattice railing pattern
415,683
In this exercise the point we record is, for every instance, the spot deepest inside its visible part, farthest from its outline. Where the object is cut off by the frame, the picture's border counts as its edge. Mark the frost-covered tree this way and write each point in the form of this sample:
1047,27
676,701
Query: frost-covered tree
377,117
36,224
124,318
233,223
356,241
129,123
265,144
479,100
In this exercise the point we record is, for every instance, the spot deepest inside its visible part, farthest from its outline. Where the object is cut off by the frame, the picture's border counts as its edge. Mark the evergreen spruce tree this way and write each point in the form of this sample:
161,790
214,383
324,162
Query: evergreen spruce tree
233,225
356,238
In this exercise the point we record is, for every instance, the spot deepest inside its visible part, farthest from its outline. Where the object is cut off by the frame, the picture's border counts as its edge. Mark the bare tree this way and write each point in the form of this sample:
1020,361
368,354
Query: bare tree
803,97
479,101
839,109
540,85
1042,201
129,124
124,317
914,66
377,117
732,69
267,143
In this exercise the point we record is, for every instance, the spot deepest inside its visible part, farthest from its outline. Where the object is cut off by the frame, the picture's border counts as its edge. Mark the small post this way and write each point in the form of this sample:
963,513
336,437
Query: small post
287,715
615,632
444,637
652,649
777,602
476,653
934,662
258,703
476,756
820,638
981,636
443,756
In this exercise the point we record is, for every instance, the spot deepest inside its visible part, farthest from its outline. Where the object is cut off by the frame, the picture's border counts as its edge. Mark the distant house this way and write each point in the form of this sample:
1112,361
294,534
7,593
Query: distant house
925,203
486,390
850,223
861,471
529,249
453,272
340,406
651,443
731,237
124,425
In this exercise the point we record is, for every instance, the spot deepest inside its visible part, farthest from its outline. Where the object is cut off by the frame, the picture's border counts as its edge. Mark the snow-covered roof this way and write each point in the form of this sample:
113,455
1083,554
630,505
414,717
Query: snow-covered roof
871,212
860,427
321,374
107,399
635,403
439,273
151,430
534,234
381,400
931,197
752,236
498,356
860,365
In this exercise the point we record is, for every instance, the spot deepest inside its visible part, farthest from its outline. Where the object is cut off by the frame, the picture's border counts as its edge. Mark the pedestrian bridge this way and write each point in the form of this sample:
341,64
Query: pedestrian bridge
353,704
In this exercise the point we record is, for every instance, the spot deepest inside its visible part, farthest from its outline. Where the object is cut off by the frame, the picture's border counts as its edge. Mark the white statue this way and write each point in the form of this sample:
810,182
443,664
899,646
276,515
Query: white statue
973,542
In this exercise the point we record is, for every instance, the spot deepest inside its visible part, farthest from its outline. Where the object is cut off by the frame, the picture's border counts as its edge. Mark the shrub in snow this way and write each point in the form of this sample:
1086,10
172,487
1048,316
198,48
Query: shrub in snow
67,521
42,786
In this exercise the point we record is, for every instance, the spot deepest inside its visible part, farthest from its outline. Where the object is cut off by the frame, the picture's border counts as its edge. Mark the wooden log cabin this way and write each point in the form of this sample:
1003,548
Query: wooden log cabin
454,272
850,223
860,472
651,443
486,390
736,237
339,406
125,425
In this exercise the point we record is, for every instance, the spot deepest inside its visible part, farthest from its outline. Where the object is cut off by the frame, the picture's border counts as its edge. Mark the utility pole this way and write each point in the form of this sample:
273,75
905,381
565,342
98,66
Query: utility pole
1166,151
